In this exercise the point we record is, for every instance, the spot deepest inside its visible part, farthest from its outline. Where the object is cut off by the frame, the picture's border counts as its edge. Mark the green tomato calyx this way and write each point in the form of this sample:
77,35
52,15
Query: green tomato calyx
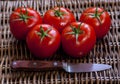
58,13
96,15
42,33
22,16
76,31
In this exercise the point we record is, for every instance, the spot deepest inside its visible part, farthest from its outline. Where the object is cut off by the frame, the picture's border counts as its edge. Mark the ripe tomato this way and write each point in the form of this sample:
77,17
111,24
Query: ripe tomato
78,39
99,19
58,17
43,40
22,20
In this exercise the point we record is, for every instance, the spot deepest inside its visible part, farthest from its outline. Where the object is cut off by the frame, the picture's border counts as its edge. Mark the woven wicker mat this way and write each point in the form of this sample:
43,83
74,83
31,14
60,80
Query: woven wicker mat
106,51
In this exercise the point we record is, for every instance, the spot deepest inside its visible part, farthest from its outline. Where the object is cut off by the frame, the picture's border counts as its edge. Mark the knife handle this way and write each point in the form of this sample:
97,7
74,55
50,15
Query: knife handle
35,65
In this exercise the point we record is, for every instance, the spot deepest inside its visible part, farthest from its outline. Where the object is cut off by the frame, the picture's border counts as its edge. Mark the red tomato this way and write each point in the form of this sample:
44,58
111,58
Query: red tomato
99,19
22,20
43,40
58,17
78,39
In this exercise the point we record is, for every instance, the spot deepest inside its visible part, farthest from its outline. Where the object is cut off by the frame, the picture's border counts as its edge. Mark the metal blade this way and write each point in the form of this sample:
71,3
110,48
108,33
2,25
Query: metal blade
84,67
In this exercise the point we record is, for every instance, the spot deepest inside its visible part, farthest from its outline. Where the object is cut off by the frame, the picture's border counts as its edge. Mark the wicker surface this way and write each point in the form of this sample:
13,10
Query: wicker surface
106,51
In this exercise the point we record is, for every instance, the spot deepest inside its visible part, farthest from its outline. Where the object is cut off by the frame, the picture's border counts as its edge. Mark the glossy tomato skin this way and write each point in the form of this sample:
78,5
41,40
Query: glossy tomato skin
48,46
59,22
85,43
100,29
20,28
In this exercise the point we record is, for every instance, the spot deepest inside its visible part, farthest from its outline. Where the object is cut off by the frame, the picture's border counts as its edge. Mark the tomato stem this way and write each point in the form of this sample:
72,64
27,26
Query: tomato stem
96,15
96,12
58,13
22,17
42,33
76,31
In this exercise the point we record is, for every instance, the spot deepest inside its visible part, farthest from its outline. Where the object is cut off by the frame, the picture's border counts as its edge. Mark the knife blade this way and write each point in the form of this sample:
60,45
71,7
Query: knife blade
52,65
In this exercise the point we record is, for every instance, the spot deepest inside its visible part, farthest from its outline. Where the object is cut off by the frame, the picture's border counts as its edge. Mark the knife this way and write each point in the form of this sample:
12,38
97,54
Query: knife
52,65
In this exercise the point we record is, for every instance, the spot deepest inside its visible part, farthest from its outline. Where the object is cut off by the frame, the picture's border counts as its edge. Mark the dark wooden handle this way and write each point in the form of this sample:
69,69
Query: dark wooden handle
35,65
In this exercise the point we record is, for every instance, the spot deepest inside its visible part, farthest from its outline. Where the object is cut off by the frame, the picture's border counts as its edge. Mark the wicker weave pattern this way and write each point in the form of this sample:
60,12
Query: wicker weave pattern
106,51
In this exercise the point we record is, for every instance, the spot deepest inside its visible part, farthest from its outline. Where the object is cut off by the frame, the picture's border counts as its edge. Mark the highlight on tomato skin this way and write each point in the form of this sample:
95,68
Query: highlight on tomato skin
78,39
43,41
59,17
22,20
98,18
